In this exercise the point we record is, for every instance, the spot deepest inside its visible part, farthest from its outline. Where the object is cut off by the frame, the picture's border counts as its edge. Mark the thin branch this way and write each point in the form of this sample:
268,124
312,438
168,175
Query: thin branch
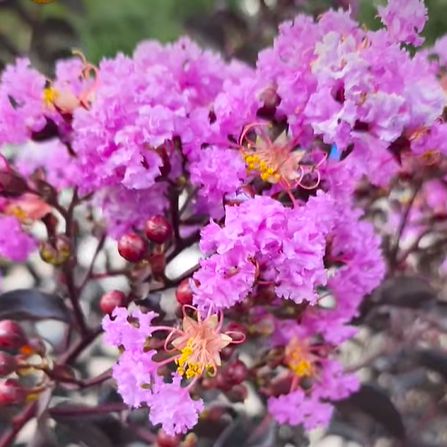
403,224
17,424
92,264
76,411
71,355
103,275
74,299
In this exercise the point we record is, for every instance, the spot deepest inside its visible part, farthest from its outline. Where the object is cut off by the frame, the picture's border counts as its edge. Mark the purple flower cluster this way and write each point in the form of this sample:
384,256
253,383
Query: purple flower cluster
136,373
265,161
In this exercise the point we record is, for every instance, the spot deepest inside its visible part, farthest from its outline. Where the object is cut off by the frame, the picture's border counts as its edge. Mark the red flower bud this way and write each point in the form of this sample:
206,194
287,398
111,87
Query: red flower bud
164,440
112,299
158,229
237,394
184,292
132,247
237,327
236,372
11,335
8,364
227,352
11,392
222,382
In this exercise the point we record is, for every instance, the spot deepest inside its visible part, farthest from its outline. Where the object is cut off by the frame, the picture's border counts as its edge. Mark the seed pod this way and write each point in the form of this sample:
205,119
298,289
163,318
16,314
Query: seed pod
158,229
132,247
110,300
11,335
184,292
11,392
8,364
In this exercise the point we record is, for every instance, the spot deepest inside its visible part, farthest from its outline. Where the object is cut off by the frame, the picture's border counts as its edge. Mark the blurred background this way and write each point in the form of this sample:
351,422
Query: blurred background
238,28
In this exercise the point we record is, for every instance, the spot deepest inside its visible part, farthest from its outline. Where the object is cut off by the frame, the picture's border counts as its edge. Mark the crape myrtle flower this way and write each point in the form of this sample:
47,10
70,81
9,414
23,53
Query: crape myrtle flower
194,348
266,161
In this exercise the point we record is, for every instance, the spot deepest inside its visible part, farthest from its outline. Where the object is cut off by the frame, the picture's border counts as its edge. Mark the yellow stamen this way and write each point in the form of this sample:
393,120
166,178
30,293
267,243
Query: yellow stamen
188,368
50,95
302,368
255,163
298,359
17,212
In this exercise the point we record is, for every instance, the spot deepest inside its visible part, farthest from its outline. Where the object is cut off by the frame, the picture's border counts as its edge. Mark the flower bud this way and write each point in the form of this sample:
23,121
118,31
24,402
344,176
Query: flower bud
8,364
11,392
184,292
33,346
208,383
215,413
227,352
112,299
11,335
158,229
132,247
237,394
236,372
56,253
222,382
233,326
164,440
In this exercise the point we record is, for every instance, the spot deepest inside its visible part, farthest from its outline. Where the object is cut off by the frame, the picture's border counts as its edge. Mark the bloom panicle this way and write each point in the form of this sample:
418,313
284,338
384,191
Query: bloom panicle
267,163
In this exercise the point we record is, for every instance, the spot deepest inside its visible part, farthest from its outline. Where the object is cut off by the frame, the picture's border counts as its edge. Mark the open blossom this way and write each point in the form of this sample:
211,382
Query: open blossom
296,408
404,20
263,238
311,408
271,164
354,88
129,330
21,105
132,373
172,406
196,350
200,343
15,244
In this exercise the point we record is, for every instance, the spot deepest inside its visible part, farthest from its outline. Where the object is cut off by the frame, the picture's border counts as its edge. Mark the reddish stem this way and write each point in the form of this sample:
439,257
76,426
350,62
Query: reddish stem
17,424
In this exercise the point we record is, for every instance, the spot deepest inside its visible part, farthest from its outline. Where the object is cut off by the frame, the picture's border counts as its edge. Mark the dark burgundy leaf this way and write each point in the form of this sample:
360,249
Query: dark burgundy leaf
82,433
263,434
406,291
32,304
375,402
248,432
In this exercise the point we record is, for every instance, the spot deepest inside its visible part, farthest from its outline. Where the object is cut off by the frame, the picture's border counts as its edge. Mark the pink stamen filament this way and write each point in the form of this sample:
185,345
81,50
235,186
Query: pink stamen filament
294,384
248,128
167,361
233,341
